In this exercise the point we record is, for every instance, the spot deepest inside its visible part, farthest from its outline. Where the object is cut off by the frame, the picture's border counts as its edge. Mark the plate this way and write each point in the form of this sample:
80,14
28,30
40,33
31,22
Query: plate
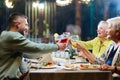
70,69
82,68
48,67
89,67
35,66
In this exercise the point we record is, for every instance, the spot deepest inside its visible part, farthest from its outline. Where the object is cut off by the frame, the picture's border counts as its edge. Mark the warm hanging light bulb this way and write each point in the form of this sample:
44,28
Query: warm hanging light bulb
9,4
63,2
84,1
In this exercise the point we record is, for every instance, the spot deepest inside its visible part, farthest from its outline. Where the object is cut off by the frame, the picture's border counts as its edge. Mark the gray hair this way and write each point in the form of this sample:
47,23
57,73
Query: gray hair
115,22
102,24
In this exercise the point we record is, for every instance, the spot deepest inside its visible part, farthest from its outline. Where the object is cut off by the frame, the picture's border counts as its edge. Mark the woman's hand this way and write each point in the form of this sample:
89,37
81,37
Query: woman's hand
85,53
81,47
81,54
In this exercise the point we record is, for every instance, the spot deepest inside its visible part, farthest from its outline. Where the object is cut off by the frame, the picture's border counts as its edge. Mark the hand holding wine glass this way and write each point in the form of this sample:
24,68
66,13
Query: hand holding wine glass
74,40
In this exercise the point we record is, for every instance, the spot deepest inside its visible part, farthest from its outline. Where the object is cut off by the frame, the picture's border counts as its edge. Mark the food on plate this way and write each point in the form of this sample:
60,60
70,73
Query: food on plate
48,64
42,65
69,65
84,65
89,66
96,66
35,66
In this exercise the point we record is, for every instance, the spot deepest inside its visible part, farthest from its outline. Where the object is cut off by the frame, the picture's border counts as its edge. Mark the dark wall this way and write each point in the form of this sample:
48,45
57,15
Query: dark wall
66,15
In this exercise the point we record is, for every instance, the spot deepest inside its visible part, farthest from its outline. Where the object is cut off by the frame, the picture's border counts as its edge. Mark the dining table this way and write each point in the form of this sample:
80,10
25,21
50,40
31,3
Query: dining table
60,73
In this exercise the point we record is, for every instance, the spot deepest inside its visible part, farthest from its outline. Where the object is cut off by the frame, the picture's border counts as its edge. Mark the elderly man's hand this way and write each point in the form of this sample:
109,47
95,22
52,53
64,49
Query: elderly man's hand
106,67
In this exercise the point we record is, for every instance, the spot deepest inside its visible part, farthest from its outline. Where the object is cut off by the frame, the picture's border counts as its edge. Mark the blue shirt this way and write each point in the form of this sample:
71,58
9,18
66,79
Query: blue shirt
111,55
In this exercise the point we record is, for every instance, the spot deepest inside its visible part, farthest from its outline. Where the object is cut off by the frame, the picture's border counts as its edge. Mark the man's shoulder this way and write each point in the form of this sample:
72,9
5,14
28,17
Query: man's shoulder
10,34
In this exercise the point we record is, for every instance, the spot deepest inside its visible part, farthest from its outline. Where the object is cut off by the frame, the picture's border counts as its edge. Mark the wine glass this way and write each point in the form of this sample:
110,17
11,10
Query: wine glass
74,40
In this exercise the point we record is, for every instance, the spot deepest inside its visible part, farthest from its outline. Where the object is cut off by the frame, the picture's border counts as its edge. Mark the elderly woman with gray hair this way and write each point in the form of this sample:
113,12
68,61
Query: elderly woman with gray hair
99,44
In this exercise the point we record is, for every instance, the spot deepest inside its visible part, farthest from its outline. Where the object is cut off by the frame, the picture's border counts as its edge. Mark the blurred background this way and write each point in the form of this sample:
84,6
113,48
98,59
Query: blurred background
47,17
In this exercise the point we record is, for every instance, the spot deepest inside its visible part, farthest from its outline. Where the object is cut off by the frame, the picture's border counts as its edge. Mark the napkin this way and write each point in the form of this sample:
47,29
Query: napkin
46,58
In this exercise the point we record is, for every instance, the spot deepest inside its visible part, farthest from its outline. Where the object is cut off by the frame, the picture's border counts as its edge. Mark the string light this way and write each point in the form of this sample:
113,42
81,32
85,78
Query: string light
63,2
9,4
67,2
84,1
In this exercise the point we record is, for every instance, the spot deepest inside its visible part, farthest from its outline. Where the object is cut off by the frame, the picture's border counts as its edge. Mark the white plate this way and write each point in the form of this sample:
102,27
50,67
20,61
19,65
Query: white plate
89,67
69,69
48,67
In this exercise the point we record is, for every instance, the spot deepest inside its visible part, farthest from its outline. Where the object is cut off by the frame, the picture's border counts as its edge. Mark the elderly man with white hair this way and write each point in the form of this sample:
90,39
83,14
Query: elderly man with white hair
113,33
110,60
